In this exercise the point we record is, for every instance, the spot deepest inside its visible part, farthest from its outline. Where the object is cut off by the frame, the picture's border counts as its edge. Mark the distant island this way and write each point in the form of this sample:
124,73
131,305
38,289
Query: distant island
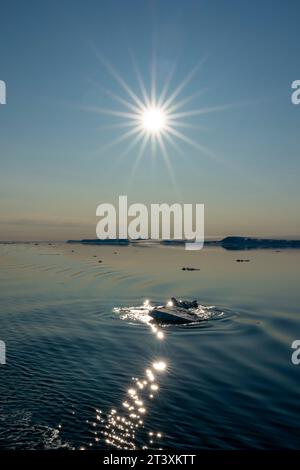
97,241
248,243
228,243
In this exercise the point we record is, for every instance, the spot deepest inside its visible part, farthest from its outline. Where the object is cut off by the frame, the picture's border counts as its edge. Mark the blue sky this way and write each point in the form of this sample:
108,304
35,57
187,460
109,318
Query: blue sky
56,162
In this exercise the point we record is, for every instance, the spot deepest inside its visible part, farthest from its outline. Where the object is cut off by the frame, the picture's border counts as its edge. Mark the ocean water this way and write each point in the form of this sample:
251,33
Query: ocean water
80,373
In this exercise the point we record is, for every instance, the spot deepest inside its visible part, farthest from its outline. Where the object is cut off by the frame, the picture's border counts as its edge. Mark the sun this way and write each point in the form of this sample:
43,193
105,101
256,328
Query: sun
153,120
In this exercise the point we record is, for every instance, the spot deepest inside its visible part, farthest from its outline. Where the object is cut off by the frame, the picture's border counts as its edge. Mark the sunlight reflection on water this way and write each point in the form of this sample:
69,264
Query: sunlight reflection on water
121,427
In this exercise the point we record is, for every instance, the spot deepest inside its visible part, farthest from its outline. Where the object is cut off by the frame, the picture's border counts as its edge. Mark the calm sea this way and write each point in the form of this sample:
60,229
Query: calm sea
79,374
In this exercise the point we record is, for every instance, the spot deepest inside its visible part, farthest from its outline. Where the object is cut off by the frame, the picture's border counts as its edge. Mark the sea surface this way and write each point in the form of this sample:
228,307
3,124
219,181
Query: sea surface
82,372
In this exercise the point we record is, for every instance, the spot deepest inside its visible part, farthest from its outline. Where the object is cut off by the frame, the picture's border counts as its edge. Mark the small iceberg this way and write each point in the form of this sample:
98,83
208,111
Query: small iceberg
172,313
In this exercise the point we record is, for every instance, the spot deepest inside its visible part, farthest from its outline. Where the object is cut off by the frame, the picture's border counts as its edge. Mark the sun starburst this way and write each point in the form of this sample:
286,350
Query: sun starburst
158,119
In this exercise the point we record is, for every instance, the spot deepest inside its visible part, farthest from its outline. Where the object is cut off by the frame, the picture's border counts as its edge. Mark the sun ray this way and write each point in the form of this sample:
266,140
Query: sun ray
172,142
187,125
140,81
116,97
191,142
167,160
153,73
112,112
165,89
126,151
207,152
134,142
146,137
185,101
153,146
212,109
121,100
182,85
124,136
121,81
118,125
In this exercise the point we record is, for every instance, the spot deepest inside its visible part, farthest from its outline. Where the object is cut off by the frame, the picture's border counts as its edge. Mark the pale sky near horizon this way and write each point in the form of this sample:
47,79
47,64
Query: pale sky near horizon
57,163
